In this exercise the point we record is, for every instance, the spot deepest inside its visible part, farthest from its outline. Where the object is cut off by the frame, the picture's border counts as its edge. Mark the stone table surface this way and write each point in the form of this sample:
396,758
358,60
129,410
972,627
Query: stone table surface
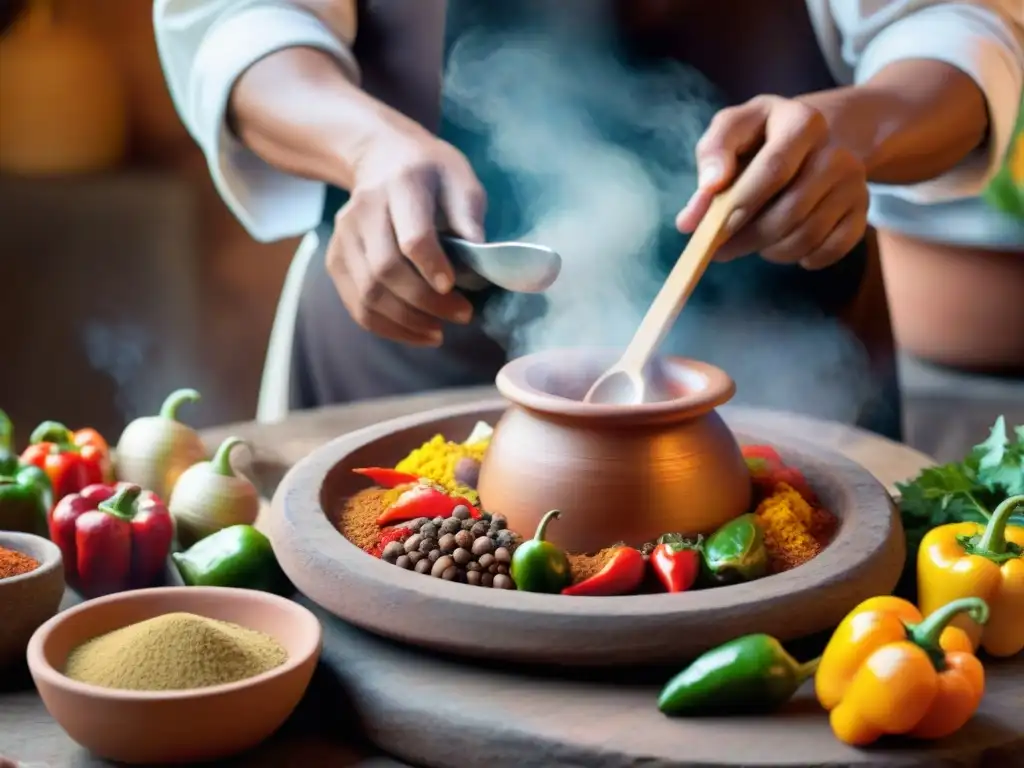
326,730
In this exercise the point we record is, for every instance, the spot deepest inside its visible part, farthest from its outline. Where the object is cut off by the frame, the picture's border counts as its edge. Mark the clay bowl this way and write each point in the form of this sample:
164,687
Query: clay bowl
175,726
26,601
864,559
620,473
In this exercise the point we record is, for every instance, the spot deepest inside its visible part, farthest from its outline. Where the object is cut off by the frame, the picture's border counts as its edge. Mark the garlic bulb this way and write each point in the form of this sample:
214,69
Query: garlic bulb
210,496
154,450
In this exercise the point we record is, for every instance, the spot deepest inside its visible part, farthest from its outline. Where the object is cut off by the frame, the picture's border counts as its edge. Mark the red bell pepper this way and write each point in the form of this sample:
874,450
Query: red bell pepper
622,574
424,500
72,460
112,538
385,477
676,562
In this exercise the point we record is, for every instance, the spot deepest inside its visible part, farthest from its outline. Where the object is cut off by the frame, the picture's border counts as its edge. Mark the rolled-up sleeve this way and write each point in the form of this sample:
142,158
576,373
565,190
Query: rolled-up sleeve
985,40
204,46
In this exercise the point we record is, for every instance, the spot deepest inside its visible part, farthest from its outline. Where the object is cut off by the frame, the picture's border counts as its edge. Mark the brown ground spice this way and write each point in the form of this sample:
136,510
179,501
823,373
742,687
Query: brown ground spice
14,563
585,566
358,521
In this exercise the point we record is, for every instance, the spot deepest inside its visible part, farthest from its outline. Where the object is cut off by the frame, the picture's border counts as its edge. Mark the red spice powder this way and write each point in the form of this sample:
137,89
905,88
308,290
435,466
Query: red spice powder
14,563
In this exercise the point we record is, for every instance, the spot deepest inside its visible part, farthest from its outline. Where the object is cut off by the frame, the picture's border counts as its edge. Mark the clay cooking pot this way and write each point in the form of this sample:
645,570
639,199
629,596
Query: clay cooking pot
618,473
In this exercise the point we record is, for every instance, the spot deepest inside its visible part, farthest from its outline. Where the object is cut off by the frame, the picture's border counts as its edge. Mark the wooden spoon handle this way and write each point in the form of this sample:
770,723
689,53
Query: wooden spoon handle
679,285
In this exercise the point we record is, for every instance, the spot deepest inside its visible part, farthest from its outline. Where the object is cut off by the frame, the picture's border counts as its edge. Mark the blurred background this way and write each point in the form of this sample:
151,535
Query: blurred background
123,276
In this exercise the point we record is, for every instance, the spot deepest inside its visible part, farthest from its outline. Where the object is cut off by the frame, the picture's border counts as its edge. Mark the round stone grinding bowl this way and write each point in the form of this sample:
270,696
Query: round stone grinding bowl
864,559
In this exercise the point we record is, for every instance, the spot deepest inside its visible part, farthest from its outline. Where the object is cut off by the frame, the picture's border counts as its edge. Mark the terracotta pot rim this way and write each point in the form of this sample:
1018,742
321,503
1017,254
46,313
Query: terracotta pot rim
708,387
42,669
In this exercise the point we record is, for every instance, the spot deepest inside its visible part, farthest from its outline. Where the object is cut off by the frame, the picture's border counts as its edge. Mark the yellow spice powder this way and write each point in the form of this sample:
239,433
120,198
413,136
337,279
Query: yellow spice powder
436,460
172,652
786,517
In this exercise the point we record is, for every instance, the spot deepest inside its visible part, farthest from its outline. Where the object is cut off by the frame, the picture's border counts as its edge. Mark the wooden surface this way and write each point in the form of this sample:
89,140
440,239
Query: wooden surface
865,559
325,730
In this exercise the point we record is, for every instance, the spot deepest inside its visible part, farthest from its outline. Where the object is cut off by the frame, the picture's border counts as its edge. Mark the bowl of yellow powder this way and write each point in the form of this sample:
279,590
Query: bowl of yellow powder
175,674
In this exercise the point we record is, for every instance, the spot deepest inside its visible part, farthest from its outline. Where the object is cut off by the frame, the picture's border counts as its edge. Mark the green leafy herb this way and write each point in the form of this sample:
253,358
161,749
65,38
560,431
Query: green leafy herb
964,491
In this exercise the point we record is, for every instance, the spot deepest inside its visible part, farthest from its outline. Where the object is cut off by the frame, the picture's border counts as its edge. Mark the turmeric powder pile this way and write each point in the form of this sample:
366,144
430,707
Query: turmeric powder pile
436,460
794,531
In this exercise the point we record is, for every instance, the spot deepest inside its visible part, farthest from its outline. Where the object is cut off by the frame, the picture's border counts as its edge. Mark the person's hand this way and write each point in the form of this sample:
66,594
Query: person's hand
802,198
384,257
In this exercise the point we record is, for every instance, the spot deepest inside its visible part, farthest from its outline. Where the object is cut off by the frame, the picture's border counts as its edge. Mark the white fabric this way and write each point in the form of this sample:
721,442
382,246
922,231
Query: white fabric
204,46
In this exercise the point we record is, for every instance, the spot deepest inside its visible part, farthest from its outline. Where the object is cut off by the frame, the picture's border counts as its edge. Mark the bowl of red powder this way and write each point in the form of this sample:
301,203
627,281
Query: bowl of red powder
31,588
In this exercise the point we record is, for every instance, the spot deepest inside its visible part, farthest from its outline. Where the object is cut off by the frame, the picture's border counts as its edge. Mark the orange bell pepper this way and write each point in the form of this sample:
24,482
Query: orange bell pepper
974,560
888,670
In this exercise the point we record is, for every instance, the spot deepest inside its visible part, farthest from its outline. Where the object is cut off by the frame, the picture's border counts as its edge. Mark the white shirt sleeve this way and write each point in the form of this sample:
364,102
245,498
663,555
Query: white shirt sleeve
982,38
204,47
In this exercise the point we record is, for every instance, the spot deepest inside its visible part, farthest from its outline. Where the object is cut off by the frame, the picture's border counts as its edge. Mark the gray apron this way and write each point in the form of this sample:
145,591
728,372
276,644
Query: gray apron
813,342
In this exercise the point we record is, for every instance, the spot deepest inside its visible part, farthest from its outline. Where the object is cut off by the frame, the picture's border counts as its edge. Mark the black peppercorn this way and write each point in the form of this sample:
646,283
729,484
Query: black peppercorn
501,581
451,573
424,565
502,555
482,546
413,543
415,557
473,578
447,543
433,555
427,544
451,525
404,562
486,561
479,529
462,556
486,579
464,539
428,531
461,512
441,565
392,552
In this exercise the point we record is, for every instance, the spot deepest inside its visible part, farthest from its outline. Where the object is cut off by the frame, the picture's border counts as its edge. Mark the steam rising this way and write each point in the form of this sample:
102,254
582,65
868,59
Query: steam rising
555,115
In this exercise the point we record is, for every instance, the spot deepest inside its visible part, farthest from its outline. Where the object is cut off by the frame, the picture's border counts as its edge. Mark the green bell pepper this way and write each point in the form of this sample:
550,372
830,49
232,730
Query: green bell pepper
1006,190
538,565
753,673
26,497
236,556
735,552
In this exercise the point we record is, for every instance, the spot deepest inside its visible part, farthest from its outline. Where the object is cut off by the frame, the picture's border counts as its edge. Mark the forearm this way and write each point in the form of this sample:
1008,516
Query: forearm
297,110
911,122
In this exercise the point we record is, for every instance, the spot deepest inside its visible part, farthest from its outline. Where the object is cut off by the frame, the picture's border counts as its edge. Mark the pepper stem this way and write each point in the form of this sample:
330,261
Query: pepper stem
169,410
805,671
994,538
122,503
52,432
221,461
542,527
6,431
927,633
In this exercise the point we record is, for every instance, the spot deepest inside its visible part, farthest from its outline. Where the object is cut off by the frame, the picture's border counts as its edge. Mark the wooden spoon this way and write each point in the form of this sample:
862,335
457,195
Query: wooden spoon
625,382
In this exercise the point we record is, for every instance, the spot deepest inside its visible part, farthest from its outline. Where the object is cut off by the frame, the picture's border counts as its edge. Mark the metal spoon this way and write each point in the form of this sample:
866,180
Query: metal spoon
518,267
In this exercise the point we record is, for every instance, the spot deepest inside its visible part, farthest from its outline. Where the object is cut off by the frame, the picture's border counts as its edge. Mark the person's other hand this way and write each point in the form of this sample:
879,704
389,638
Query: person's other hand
384,257
801,199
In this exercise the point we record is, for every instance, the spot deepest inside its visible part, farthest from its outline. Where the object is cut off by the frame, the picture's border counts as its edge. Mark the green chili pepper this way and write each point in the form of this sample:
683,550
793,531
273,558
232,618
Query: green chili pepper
753,673
736,552
8,458
538,565
26,497
236,556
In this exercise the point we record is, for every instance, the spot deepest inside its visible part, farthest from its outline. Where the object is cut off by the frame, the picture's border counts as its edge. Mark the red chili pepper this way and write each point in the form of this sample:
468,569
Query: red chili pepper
72,460
386,478
622,574
111,538
676,562
423,501
761,458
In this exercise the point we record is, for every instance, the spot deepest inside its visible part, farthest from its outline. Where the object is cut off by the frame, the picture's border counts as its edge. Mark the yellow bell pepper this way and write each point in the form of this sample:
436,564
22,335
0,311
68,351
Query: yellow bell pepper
974,560
888,670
